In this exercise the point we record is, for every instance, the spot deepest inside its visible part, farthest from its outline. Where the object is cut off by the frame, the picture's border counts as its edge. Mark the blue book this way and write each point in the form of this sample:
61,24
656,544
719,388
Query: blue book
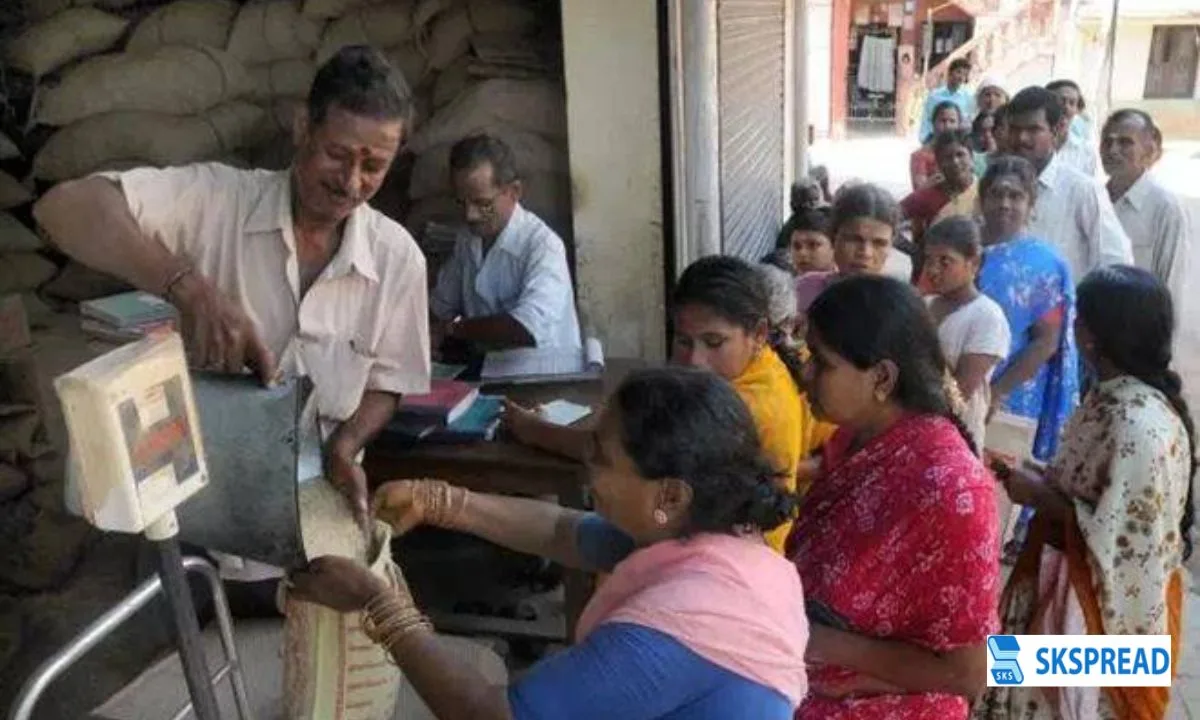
1004,647
478,423
128,310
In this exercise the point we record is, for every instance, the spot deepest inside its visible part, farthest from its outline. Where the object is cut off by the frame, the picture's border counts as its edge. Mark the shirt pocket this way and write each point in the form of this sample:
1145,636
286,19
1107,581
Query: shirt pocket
339,367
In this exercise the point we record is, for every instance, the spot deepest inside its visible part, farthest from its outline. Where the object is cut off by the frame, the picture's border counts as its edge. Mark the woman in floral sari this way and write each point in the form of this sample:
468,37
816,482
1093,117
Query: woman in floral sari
1032,283
1110,535
897,539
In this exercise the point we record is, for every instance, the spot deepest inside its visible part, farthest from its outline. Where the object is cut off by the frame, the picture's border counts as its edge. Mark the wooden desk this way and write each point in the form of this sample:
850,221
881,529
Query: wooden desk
504,466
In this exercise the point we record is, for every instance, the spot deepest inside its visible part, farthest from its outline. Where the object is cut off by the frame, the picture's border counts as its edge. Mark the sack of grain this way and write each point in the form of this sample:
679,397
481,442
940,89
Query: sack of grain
24,271
427,10
451,82
504,17
536,106
8,148
449,38
534,154
173,80
185,22
12,192
284,78
329,666
15,237
410,61
38,10
102,141
71,34
380,26
280,115
329,9
274,30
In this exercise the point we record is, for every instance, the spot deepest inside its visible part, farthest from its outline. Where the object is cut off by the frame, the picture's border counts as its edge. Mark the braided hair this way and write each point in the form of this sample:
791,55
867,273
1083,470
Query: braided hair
1130,314
867,319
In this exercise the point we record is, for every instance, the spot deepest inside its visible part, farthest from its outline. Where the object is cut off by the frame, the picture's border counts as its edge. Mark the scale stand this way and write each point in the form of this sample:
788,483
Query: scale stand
171,581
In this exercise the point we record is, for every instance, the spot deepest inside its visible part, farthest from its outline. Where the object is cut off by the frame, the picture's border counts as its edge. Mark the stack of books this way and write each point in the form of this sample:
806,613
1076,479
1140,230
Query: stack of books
452,412
126,317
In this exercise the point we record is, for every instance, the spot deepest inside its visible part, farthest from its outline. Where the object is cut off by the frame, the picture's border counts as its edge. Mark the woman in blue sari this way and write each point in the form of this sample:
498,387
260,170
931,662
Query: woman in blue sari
1032,283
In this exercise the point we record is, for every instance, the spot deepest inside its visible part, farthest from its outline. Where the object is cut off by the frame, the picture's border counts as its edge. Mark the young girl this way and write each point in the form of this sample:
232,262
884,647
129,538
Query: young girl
862,225
972,329
805,238
922,165
721,323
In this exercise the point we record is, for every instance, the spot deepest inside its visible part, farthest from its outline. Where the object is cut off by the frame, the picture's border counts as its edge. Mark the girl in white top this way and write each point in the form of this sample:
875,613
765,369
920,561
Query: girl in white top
973,331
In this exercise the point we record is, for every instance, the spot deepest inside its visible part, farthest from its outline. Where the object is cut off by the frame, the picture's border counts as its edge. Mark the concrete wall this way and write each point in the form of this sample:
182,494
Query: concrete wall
819,52
610,50
1177,118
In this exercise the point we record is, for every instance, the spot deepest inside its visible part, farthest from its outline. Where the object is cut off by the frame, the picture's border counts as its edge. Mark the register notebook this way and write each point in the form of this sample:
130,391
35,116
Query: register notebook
534,365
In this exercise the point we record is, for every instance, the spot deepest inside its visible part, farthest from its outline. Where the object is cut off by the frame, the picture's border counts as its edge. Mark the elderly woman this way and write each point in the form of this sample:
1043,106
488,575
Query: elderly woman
1113,514
897,538
699,617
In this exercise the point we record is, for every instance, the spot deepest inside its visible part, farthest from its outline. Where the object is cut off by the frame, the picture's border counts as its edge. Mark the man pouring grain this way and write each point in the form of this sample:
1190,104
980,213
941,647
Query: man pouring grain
281,271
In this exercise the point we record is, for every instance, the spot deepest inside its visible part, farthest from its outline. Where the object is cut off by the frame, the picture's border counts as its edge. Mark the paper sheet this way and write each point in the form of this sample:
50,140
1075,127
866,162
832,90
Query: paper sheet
563,412
545,362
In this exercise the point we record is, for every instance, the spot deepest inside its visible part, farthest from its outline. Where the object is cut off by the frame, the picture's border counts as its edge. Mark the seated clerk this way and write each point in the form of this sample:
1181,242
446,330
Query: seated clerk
507,284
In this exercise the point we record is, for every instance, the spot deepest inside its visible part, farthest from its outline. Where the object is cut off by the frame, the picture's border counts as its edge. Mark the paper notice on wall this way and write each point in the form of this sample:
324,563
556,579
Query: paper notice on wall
895,13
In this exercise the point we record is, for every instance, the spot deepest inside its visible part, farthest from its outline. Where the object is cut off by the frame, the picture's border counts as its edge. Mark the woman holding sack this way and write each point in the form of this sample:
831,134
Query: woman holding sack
897,539
1110,534
699,618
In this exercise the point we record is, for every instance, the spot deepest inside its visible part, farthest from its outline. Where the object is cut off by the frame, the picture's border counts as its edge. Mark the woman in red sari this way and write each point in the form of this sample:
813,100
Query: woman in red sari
897,541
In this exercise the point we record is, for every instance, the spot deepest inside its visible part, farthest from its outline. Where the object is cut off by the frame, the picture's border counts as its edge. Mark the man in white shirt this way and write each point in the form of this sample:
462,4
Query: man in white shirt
283,270
1073,211
1152,216
507,285
1076,145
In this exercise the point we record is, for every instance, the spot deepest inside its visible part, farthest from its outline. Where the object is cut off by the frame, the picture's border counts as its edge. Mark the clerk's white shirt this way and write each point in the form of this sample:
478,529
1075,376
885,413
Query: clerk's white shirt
524,274
1073,213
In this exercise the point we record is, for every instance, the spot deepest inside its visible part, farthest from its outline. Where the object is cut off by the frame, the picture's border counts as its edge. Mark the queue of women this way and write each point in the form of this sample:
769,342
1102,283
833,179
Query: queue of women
796,516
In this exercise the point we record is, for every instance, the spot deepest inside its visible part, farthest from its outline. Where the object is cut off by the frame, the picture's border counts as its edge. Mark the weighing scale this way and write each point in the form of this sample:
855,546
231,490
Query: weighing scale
139,424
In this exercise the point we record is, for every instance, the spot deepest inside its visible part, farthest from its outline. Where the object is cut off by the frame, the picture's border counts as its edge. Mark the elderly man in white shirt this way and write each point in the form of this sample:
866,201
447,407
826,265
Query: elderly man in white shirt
1073,211
283,270
507,285
1153,217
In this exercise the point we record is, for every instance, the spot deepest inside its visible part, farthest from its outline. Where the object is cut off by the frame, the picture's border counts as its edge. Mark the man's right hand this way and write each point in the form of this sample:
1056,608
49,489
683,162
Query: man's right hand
218,333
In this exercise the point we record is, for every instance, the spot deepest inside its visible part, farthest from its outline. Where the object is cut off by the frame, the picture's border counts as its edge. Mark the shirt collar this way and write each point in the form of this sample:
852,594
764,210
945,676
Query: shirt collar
1050,173
273,213
512,231
1138,192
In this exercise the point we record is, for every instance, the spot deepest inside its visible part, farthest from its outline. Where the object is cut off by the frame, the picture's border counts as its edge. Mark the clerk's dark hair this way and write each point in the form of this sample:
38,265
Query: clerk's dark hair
869,319
360,80
692,425
736,291
1130,314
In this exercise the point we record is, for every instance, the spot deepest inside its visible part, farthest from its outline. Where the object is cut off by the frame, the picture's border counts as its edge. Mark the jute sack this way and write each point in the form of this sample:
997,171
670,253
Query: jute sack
24,271
329,9
503,17
173,80
185,22
535,156
331,670
426,10
275,30
410,61
12,193
283,78
15,237
69,35
536,106
280,115
119,139
8,148
449,38
451,82
36,10
380,26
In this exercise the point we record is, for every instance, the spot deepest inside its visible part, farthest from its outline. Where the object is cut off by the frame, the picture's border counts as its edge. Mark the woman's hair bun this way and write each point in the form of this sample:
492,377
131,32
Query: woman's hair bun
802,195
770,506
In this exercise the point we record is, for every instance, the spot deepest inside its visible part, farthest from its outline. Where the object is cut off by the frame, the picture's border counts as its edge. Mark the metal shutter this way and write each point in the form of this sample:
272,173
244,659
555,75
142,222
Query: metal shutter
750,41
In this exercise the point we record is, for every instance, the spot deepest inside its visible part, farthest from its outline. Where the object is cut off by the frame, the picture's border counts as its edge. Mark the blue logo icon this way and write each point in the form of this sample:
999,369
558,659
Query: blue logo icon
1004,650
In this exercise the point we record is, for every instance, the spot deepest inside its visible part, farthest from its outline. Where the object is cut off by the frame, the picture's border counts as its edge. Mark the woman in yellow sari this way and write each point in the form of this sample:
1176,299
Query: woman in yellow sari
1110,535
721,314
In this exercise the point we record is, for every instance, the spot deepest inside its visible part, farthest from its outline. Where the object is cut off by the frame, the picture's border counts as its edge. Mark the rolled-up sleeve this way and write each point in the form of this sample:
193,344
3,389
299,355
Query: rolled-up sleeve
546,292
402,359
171,203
